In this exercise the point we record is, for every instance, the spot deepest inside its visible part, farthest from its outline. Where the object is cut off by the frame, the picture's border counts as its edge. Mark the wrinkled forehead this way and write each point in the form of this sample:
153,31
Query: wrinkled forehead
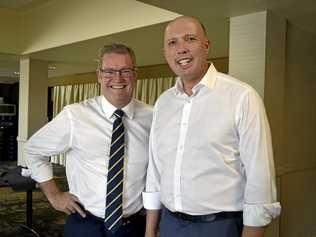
122,59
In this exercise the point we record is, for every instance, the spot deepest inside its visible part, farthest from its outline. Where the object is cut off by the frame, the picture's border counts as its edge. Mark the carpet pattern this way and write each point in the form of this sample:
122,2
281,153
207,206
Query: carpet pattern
46,221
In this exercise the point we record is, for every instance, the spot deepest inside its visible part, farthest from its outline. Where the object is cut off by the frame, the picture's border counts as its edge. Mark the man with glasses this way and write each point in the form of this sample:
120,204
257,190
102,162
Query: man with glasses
106,142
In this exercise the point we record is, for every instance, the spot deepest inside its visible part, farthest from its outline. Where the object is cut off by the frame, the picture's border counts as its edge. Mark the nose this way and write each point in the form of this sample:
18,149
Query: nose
117,76
182,48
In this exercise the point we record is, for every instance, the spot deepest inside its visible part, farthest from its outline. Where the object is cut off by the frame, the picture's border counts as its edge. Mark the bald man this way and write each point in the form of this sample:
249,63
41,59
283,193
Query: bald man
211,170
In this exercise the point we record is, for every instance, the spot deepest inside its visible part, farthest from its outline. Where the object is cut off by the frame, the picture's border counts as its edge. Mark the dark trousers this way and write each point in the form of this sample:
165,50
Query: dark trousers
172,226
92,226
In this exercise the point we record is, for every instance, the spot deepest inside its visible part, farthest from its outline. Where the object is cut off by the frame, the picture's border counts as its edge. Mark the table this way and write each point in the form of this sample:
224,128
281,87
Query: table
19,183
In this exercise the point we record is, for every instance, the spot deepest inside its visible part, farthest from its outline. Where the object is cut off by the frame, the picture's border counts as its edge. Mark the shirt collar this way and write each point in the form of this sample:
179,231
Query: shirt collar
108,109
207,80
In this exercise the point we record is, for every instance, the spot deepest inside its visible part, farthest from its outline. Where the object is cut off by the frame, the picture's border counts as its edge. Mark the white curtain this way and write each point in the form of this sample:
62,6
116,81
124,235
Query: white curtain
146,90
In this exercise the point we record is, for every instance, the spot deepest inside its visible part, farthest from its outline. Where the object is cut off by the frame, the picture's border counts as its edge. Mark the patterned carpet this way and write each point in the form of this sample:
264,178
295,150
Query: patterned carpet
46,221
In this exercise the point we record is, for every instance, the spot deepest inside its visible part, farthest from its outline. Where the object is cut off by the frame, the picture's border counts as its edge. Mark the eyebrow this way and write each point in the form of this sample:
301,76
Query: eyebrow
186,35
173,38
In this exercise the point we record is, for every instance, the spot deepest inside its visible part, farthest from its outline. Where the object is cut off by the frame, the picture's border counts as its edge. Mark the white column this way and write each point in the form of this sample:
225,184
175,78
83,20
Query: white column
247,49
32,100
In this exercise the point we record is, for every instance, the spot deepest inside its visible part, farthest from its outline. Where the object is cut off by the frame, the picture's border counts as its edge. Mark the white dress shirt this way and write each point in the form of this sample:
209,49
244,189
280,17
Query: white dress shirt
212,152
84,131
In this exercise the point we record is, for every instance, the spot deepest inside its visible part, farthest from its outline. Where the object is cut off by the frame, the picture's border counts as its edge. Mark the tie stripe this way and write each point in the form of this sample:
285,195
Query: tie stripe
115,131
115,222
119,149
117,173
120,196
122,134
113,211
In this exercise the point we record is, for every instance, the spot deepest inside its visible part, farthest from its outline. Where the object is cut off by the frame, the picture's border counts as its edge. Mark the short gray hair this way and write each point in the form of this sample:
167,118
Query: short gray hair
116,48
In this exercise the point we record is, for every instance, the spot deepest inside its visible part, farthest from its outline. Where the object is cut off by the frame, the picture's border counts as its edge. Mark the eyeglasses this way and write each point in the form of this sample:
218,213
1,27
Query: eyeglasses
110,73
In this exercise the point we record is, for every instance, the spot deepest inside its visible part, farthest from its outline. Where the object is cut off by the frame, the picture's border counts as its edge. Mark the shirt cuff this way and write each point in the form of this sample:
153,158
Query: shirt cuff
151,200
260,215
42,174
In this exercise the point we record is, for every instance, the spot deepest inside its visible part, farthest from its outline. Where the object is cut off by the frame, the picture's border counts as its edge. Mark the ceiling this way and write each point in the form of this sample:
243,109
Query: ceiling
147,41
21,5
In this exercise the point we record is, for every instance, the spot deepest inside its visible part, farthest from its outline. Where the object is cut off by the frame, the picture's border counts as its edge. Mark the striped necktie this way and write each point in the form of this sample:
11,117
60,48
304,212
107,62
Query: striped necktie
113,211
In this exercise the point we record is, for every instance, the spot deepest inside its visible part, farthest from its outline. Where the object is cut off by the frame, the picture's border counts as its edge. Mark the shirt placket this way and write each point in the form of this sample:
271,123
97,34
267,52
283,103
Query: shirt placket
179,155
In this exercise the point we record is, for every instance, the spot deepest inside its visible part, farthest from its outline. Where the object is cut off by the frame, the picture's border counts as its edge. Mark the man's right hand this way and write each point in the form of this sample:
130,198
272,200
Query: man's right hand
61,201
68,203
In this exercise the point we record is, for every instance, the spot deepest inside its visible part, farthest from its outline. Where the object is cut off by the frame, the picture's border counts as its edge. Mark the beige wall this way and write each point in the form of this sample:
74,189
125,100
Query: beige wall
298,195
274,88
298,169
301,98
10,31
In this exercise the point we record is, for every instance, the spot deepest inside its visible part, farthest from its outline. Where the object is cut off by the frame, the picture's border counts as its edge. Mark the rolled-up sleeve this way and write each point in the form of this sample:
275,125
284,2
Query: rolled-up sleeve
255,145
260,215
52,139
151,197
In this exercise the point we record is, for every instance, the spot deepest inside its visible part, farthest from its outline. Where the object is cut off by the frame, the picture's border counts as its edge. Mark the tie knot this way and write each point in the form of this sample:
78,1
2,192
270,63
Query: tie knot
119,113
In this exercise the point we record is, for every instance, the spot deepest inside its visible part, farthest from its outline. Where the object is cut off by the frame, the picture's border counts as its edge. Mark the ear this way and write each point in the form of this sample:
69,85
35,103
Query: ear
164,53
207,45
97,72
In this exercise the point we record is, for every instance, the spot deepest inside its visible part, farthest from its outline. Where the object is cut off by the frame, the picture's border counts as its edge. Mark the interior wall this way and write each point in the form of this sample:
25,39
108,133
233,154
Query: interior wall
274,91
298,195
10,31
154,71
298,192
300,98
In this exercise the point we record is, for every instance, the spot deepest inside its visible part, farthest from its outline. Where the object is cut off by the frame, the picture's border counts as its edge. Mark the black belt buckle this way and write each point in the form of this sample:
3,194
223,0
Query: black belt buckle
208,218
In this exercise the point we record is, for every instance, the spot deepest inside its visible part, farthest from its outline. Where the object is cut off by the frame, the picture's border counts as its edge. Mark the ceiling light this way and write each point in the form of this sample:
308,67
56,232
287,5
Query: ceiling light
51,67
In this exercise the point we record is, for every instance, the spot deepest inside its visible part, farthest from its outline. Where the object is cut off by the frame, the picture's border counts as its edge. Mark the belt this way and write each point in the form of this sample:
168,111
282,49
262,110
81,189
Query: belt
206,218
126,220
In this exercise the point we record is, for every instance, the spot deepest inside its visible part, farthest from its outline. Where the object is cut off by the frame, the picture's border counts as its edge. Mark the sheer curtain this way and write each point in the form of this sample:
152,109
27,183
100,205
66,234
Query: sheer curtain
146,90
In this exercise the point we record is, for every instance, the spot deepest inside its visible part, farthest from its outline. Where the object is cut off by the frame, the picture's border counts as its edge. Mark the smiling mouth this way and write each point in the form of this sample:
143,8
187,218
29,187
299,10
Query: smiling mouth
184,61
118,86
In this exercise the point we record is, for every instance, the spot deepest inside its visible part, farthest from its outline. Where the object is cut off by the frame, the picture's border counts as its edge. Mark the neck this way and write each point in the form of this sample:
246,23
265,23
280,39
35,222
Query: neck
119,104
188,84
